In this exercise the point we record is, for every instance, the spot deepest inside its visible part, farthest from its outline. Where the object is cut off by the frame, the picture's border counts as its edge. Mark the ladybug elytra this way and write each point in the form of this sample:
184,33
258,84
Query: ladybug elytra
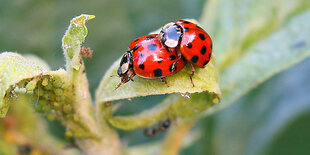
163,54
190,40
148,58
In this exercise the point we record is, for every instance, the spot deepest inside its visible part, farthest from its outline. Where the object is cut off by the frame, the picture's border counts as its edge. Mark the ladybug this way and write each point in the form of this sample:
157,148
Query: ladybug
148,58
190,40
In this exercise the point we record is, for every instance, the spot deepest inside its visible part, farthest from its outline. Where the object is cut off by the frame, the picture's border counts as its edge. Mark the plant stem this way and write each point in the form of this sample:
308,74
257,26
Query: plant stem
107,141
172,142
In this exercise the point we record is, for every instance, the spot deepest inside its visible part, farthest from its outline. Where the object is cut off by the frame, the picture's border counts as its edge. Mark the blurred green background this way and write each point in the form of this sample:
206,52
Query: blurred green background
274,118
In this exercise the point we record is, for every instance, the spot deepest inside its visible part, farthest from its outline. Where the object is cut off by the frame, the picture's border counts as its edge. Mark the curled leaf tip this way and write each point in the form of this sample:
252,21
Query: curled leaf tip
72,40
89,17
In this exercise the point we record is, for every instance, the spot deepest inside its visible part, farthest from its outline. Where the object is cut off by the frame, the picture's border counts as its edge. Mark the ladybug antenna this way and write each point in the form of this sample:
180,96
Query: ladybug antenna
124,79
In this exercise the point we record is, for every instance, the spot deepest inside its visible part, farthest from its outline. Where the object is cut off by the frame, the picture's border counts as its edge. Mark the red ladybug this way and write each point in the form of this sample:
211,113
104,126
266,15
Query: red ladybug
190,40
148,58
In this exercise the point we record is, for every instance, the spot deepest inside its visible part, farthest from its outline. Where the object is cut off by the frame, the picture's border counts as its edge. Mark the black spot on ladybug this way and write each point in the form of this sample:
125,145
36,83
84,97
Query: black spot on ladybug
136,40
199,27
158,72
206,62
203,50
152,47
149,38
186,29
141,56
201,36
135,48
186,22
189,45
172,67
141,66
210,55
211,46
194,59
171,57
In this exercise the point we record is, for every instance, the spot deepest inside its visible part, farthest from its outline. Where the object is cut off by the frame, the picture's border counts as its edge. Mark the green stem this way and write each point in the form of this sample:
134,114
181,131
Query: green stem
107,141
172,142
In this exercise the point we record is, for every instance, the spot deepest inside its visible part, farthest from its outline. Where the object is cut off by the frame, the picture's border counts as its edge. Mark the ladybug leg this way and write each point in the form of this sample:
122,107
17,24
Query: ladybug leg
163,79
118,85
179,56
131,74
193,72
176,62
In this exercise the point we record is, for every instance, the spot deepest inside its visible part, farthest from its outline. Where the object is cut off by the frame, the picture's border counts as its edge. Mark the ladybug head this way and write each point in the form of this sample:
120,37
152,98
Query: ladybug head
125,69
170,35
124,64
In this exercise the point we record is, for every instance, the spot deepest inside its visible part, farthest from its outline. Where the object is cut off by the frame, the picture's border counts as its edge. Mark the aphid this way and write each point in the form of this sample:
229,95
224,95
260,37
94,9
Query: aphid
165,125
149,132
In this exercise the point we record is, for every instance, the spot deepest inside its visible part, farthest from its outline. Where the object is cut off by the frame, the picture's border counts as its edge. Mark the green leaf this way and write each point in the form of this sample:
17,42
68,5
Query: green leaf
37,61
205,79
261,118
236,25
284,48
205,93
174,106
18,128
72,40
13,69
52,91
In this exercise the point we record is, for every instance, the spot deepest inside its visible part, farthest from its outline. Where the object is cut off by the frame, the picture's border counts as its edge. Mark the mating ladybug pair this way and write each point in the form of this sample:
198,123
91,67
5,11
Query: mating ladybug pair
166,53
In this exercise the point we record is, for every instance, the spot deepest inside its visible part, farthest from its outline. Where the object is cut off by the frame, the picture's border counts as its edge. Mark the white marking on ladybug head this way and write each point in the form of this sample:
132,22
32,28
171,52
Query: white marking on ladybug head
171,43
124,64
125,67
170,35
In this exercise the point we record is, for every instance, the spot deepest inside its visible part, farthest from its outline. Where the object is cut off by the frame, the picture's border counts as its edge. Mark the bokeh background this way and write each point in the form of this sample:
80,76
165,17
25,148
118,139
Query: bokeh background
274,118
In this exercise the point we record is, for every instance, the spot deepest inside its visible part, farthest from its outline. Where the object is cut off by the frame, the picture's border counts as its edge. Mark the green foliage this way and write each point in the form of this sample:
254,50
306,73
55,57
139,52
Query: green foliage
54,92
72,40
266,58
17,132
237,25
265,121
14,68
253,41
205,79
